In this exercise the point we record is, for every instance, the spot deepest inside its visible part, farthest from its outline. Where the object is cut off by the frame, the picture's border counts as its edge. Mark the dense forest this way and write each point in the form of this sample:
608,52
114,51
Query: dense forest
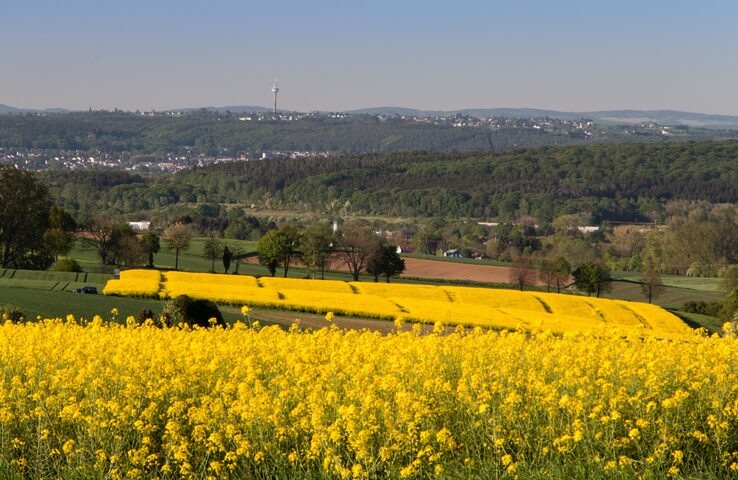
213,133
210,133
608,182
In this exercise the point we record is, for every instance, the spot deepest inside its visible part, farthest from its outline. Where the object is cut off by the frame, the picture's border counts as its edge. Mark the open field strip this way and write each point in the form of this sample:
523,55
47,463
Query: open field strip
466,306
105,400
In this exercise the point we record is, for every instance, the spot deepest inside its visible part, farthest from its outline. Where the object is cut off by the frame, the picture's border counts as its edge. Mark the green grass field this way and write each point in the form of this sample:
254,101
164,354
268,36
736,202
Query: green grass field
191,259
707,284
673,297
52,304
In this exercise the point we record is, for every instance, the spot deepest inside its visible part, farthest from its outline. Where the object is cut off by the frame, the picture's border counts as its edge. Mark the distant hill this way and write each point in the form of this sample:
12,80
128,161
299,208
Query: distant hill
231,108
662,117
7,109
223,134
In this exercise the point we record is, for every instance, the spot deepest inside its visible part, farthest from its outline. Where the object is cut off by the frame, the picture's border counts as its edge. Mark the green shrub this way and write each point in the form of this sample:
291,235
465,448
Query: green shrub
67,265
189,311
703,308
146,314
11,312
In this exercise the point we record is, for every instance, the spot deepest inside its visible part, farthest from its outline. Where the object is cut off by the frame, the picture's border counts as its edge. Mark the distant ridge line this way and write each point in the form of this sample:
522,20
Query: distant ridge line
626,116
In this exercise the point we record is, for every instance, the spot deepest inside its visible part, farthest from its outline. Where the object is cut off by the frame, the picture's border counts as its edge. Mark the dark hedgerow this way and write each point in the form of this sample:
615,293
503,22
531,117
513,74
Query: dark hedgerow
192,312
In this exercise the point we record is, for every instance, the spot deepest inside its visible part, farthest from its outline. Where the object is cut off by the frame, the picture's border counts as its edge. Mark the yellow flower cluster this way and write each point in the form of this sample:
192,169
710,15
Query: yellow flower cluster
135,283
339,303
387,290
212,278
326,286
467,306
98,400
499,298
237,289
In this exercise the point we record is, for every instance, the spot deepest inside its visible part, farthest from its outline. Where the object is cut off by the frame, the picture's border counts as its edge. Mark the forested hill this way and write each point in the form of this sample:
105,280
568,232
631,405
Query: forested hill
615,182
214,134
484,185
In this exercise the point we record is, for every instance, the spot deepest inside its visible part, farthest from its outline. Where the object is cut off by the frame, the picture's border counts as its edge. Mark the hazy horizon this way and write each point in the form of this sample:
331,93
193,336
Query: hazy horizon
335,56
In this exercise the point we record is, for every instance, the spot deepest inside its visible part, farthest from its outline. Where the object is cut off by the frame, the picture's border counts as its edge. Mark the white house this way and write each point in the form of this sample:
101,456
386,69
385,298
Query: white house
139,226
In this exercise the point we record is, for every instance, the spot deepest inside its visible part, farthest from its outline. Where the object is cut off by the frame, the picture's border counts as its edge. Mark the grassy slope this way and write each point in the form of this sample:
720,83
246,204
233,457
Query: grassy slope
51,304
672,297
191,259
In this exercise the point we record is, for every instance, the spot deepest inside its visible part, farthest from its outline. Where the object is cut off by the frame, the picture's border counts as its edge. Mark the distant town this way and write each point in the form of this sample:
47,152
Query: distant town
180,157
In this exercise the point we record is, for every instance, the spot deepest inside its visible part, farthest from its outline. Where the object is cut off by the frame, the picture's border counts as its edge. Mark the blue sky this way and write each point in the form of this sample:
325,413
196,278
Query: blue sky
337,55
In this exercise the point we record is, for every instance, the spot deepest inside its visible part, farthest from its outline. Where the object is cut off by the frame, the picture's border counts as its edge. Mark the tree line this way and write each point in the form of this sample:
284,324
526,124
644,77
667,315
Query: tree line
318,247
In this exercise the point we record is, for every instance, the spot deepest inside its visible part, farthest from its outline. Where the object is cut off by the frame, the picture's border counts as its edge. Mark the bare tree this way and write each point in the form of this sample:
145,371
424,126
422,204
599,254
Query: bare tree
523,271
651,284
356,246
547,273
104,235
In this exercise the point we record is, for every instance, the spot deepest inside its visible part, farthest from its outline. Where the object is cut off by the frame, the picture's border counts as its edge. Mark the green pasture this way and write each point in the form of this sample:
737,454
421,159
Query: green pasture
673,297
707,284
55,303
192,259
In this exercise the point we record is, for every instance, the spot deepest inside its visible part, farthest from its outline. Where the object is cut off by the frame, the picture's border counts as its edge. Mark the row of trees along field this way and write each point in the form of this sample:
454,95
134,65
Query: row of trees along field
611,182
317,247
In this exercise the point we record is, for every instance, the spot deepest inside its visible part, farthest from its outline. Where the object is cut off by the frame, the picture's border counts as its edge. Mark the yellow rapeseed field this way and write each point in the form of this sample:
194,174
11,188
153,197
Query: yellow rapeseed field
131,402
135,283
468,306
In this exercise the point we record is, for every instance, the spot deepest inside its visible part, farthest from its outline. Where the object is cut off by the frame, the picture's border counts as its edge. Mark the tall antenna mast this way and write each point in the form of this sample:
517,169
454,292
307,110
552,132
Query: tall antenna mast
275,90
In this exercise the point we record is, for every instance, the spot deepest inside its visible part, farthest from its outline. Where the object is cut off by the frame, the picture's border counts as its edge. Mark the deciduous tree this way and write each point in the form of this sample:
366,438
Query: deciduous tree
178,236
592,278
356,245
651,284
523,271
227,256
152,246
385,261
58,238
24,217
270,249
316,245
212,250
100,235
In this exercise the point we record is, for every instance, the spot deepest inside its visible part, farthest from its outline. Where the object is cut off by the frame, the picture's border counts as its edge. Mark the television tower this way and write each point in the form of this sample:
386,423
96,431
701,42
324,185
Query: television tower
275,90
